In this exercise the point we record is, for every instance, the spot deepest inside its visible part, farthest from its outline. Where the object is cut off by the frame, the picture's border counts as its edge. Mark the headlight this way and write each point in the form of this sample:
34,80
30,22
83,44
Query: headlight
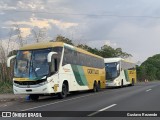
43,83
15,84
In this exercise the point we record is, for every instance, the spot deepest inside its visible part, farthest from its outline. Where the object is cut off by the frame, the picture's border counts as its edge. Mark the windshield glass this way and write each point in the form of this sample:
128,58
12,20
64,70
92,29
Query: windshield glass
39,64
22,64
32,64
111,70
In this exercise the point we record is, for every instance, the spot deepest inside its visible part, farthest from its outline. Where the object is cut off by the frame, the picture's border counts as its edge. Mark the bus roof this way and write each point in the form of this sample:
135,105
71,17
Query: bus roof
110,60
43,45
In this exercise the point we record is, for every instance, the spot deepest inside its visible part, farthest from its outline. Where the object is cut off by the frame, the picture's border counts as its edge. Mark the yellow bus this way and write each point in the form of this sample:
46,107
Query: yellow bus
119,72
56,67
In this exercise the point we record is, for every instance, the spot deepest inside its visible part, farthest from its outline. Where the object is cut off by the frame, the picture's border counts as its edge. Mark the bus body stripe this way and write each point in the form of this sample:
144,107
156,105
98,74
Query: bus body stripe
82,75
126,75
77,75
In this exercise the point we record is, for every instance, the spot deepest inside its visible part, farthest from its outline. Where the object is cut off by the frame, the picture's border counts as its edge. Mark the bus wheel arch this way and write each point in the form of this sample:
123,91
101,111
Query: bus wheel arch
67,84
65,90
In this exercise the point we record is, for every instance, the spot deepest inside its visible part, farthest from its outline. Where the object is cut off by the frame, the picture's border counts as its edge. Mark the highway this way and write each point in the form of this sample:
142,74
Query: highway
141,97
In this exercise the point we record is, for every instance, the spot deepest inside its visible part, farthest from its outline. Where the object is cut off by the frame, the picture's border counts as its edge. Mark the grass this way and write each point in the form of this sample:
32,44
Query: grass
6,87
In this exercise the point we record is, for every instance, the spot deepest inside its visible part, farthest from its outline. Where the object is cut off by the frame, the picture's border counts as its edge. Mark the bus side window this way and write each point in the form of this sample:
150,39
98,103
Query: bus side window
55,63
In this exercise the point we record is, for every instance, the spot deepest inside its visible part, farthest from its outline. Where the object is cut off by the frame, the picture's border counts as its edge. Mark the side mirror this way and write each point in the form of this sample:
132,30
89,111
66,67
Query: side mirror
49,57
9,60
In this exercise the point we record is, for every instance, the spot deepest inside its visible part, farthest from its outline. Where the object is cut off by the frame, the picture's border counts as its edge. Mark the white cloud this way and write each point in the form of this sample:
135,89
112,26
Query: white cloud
44,23
31,23
136,35
25,32
140,41
109,43
99,43
31,5
62,25
4,6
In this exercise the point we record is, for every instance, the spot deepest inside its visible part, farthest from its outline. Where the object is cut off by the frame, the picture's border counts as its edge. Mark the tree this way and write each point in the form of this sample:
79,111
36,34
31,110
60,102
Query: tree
39,35
141,73
89,49
108,52
150,69
105,51
60,38
19,35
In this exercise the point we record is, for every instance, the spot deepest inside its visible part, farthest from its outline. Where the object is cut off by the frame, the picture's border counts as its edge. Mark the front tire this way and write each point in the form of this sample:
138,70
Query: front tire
132,82
121,83
99,86
34,97
64,92
95,87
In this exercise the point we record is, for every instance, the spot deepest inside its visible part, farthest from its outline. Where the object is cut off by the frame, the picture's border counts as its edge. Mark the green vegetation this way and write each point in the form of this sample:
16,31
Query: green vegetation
5,87
60,38
149,69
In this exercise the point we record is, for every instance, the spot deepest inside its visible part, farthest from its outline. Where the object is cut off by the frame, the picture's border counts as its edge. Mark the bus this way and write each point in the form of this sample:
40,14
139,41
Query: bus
119,72
56,68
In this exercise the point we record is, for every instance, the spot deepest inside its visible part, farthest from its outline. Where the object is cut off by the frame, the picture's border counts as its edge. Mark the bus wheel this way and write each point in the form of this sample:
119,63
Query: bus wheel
34,97
121,83
95,87
132,82
99,86
64,92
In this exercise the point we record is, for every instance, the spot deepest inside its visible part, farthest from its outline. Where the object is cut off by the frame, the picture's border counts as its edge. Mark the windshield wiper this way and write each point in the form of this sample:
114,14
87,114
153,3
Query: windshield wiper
34,70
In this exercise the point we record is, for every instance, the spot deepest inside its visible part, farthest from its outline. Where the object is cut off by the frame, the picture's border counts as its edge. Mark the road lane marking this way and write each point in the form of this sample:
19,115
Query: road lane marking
4,105
101,110
61,101
148,90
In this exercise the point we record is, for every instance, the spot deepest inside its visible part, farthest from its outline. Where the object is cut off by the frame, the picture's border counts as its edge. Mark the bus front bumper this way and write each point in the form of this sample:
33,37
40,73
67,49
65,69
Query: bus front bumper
43,89
112,84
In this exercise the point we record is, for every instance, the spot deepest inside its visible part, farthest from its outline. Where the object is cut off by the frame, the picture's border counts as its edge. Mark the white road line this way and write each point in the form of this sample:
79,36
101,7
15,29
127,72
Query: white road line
101,110
4,105
61,101
148,90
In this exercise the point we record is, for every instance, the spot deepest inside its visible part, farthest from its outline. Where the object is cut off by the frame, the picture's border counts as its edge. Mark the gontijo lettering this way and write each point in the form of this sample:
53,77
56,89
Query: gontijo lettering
93,71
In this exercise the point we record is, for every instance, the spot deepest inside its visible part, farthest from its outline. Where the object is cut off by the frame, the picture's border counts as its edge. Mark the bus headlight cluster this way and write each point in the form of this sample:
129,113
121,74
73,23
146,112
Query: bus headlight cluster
43,83
15,84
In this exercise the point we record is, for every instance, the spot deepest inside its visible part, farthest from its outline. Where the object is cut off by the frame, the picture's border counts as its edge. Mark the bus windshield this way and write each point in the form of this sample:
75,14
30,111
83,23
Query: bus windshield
111,70
32,64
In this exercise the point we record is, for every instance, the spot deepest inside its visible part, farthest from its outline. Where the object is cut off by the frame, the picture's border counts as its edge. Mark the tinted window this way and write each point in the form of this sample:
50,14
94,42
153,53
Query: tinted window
77,58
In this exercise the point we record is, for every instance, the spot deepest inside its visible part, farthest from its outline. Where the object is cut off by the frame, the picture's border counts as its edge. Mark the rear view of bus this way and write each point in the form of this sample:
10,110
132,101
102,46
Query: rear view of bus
119,72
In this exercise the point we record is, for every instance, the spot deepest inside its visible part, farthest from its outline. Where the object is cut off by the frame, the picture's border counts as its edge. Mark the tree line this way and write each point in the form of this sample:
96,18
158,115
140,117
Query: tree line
105,51
149,69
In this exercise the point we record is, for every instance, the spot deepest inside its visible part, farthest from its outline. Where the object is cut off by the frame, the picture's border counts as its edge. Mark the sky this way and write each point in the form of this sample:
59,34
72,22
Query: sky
133,25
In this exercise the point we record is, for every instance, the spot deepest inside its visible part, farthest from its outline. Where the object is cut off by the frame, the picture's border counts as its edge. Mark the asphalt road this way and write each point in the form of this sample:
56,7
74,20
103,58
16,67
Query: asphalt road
141,97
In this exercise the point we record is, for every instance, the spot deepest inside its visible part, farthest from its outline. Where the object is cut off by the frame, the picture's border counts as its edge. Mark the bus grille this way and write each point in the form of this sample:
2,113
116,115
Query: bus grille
29,82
